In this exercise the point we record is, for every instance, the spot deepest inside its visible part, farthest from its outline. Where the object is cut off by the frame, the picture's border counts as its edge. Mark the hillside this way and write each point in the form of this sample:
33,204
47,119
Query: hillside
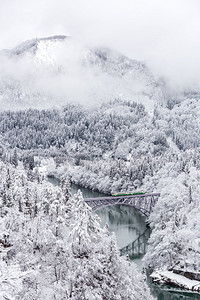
103,120
53,71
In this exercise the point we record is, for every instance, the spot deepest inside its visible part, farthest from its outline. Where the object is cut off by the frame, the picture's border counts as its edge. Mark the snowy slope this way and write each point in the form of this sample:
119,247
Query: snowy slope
34,45
56,70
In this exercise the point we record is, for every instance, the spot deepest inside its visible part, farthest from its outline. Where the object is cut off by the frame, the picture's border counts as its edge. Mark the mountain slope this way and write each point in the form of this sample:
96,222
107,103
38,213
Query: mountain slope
56,70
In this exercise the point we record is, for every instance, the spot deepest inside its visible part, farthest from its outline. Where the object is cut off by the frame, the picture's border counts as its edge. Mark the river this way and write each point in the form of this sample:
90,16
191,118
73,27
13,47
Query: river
126,223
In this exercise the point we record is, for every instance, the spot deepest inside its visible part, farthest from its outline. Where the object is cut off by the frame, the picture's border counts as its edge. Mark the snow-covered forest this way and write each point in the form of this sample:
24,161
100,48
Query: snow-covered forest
140,136
52,245
119,148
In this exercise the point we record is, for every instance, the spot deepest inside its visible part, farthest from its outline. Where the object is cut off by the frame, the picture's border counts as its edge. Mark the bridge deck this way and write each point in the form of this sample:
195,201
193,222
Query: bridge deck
120,197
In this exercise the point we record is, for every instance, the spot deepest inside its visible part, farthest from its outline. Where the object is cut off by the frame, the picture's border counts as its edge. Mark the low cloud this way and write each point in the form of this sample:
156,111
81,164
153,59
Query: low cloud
165,34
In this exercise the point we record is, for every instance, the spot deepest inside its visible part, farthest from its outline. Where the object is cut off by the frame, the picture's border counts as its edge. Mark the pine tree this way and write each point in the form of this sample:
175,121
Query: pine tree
15,158
95,269
65,187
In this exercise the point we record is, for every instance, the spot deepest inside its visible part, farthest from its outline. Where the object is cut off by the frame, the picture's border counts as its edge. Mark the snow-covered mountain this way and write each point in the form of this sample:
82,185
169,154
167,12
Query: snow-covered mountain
56,70
34,46
145,137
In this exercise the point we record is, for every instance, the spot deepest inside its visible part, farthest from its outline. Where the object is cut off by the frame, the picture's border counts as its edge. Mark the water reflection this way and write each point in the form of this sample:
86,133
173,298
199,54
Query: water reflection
127,224
87,193
124,221
169,293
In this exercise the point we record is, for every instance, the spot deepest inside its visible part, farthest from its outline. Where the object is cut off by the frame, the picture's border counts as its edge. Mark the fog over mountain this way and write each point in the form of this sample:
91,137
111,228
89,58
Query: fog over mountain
103,95
57,70
163,33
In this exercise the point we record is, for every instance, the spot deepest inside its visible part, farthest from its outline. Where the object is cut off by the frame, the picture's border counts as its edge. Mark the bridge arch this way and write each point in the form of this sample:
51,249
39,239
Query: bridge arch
143,203
144,213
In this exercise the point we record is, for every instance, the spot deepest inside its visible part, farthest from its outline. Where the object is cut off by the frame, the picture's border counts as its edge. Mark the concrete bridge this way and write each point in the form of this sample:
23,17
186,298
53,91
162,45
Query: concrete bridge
143,203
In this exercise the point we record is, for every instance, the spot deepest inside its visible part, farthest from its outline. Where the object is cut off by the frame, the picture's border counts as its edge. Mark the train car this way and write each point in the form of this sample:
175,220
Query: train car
128,193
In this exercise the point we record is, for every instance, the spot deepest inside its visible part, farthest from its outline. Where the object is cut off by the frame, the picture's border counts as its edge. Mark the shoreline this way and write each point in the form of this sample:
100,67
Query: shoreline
161,277
173,279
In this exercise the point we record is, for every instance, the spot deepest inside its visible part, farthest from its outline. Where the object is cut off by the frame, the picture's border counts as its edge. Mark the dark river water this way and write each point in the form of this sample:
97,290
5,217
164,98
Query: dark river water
126,223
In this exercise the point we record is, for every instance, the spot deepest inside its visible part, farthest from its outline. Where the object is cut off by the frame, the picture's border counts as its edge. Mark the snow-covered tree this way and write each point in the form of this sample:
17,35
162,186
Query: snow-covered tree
175,221
95,269
60,252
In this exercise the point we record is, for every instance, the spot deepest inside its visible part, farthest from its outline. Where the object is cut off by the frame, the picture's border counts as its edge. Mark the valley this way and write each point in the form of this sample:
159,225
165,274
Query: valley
97,119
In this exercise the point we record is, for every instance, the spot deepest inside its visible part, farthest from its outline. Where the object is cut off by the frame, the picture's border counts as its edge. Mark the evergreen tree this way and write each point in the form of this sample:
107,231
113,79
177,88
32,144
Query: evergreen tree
95,269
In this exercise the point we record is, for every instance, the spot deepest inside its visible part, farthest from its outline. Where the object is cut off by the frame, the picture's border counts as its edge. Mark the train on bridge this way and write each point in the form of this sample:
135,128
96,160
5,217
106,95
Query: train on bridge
128,193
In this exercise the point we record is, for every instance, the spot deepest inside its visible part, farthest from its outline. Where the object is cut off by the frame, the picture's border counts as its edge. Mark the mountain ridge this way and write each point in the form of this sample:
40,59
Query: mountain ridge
80,74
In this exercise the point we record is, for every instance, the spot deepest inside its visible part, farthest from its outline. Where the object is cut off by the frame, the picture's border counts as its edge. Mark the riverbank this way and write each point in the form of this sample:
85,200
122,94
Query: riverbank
113,218
171,278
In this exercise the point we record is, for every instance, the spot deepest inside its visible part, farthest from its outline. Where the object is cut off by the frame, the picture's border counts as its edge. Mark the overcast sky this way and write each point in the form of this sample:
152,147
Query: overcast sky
165,33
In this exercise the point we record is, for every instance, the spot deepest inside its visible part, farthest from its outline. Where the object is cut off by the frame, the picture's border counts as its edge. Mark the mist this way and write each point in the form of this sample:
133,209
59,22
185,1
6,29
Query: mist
162,33
58,72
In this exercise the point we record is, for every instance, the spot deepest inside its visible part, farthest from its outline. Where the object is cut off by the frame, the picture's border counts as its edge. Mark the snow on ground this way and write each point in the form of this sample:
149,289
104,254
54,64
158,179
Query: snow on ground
119,110
178,280
172,145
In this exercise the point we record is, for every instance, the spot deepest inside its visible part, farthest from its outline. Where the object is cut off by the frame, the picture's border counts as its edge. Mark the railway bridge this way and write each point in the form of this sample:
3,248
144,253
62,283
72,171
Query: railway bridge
144,203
